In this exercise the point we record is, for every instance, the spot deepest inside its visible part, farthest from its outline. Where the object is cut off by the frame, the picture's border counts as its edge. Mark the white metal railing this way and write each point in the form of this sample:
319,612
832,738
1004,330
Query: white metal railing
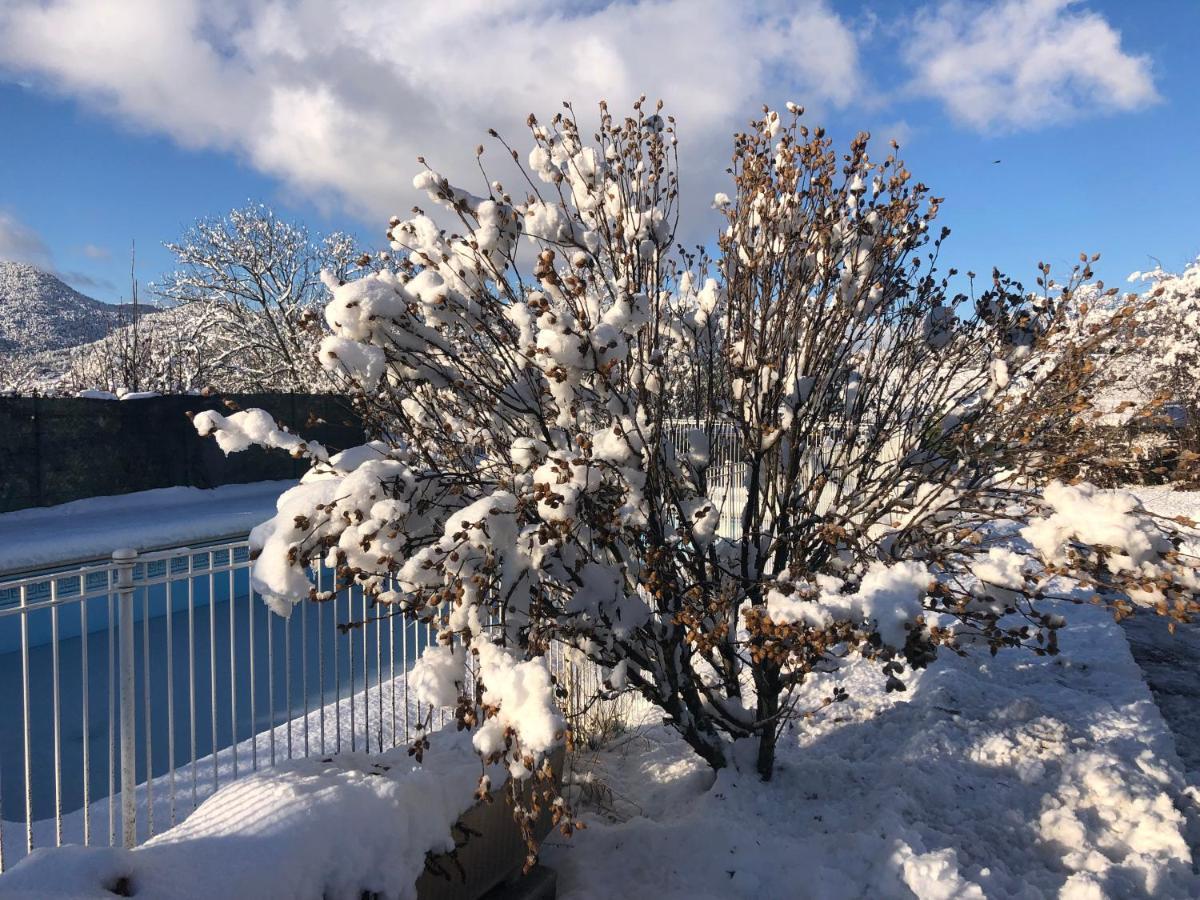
132,689
725,474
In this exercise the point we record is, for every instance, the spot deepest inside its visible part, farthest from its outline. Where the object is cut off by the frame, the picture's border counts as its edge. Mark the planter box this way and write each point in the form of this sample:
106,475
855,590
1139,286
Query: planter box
490,850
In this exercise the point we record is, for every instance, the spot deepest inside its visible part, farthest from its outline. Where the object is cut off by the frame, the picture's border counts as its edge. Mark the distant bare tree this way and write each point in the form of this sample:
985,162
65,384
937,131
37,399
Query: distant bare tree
129,345
167,351
20,374
259,276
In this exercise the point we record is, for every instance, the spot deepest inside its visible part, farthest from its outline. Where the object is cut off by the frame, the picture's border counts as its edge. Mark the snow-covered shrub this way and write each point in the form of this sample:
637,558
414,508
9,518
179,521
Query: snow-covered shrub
1147,420
555,433
1170,326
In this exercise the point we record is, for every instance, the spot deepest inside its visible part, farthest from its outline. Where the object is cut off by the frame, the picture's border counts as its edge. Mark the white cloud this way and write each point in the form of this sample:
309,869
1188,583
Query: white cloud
20,243
339,98
88,284
898,130
95,251
1025,63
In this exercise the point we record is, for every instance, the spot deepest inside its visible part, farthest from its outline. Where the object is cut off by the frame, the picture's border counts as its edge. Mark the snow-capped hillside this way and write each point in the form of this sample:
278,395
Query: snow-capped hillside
39,312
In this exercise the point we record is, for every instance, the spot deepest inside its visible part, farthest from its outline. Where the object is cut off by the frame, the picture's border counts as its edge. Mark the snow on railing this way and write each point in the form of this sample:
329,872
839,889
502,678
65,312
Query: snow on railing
134,688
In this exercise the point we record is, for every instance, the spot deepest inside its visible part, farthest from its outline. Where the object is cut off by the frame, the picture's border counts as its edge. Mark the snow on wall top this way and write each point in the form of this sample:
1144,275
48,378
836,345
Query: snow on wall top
94,527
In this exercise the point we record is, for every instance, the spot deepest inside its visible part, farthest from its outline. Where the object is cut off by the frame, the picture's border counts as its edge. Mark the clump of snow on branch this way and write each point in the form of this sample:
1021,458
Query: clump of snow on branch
1097,517
522,694
253,427
437,677
889,598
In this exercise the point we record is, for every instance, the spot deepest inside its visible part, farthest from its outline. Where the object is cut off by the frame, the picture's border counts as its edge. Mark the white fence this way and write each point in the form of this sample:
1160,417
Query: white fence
131,689
725,482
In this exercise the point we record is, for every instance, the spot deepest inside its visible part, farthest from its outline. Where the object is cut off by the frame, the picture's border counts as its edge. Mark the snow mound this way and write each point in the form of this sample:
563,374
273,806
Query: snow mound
309,829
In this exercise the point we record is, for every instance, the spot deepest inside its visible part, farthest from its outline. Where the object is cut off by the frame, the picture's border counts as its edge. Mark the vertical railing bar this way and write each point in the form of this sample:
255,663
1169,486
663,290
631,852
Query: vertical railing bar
125,561
253,700
146,696
321,658
430,637
392,668
416,626
337,675
432,713
212,668
404,658
87,750
112,712
271,683
366,663
304,666
433,639
350,650
233,667
170,589
191,584
287,680
379,681
25,720
54,662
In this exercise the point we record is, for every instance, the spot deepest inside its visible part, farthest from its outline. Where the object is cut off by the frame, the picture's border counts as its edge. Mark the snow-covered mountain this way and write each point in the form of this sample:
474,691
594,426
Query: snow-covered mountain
39,312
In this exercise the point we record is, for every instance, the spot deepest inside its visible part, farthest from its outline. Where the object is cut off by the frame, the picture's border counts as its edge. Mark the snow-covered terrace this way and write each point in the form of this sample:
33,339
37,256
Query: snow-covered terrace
1016,776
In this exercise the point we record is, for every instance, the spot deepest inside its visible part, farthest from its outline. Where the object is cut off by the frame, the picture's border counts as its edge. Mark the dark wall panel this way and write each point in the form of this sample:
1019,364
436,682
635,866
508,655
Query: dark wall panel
57,450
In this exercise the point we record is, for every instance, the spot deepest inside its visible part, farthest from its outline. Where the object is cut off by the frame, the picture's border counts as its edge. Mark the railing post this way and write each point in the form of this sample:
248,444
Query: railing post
124,561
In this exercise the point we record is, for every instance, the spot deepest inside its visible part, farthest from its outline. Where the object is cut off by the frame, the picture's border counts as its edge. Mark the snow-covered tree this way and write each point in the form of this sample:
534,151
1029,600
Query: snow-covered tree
1170,327
258,277
1146,424
20,373
169,351
560,433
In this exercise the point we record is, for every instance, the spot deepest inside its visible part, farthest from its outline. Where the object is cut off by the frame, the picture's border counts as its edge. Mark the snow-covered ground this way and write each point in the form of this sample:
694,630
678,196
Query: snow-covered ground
1013,776
316,828
146,520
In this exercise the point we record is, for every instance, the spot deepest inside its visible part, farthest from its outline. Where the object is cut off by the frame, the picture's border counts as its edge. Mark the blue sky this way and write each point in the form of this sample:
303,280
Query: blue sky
126,122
